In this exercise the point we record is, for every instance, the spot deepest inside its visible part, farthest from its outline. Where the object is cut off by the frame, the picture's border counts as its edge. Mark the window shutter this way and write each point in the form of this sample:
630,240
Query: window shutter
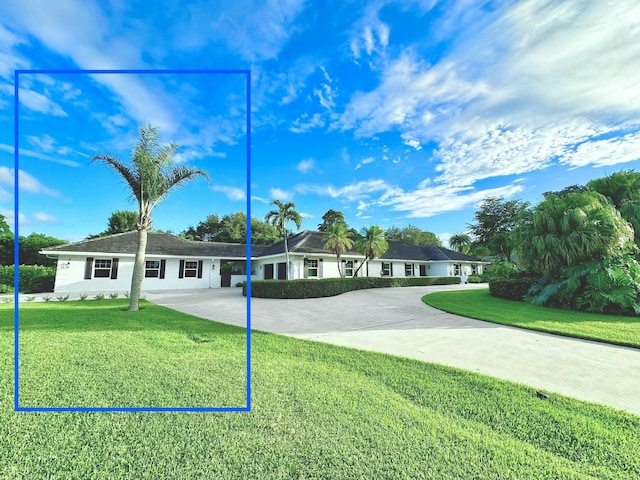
305,268
88,266
320,268
114,268
391,269
163,266
181,270
199,268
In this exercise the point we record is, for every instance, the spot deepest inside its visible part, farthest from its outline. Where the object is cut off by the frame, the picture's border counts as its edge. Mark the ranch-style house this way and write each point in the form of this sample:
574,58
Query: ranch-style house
106,263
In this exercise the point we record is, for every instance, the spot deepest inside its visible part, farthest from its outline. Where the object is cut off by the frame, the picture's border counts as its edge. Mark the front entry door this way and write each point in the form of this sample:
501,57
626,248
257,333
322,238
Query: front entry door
268,271
282,271
423,270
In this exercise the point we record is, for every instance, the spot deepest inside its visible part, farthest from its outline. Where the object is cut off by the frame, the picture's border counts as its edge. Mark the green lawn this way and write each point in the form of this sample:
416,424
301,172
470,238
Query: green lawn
592,326
319,411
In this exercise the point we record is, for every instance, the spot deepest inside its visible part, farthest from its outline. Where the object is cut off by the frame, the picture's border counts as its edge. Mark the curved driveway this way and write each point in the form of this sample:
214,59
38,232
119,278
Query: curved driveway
395,321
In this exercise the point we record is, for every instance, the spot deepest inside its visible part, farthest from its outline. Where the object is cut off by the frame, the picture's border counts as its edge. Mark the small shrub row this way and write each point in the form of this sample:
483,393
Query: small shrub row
328,287
475,279
31,278
510,288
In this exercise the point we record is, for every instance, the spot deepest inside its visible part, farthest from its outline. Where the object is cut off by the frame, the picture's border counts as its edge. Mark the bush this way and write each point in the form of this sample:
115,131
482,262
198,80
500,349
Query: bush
31,278
5,288
328,287
475,279
510,288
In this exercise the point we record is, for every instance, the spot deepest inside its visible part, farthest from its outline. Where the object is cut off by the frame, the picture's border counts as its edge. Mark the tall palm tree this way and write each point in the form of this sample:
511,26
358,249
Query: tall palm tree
336,238
150,176
286,212
372,244
460,242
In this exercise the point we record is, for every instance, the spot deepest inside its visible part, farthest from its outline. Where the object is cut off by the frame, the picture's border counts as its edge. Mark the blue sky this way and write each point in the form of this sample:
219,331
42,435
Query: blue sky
393,112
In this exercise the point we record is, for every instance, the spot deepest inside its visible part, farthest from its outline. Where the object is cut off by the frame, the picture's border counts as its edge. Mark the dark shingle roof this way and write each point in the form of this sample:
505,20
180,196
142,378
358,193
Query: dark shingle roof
311,242
157,244
307,242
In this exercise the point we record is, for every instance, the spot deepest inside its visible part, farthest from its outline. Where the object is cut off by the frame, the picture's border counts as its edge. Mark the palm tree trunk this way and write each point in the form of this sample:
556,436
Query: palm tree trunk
138,271
286,253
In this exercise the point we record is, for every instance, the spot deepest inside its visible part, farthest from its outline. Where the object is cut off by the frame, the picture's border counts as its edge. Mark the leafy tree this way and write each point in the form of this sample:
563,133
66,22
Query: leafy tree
285,212
232,228
372,244
497,217
460,242
565,231
150,176
6,242
337,240
122,221
413,236
623,190
30,246
331,218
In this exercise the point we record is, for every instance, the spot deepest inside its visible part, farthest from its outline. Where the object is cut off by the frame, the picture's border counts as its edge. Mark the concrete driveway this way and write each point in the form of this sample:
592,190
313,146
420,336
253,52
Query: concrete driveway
395,321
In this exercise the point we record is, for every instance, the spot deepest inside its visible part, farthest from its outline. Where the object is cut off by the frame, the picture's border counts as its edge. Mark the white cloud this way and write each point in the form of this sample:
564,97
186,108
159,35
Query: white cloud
279,194
430,201
41,156
305,123
535,83
9,215
351,192
257,32
44,217
306,215
26,182
39,103
413,143
364,161
233,193
306,165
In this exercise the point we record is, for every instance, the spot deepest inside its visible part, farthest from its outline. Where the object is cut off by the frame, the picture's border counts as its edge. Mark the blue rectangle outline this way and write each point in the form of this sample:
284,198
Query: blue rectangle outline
16,258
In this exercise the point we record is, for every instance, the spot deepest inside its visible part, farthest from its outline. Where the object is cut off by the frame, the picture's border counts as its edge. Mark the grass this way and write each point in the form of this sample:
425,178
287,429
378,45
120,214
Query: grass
319,411
481,305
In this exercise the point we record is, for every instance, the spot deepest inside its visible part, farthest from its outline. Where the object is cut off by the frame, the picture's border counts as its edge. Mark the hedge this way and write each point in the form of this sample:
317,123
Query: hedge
510,288
328,287
31,278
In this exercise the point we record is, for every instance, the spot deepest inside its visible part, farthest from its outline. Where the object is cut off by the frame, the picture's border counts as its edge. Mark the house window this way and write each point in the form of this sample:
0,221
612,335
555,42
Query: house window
474,269
348,268
456,269
386,269
190,269
312,268
102,268
408,269
152,269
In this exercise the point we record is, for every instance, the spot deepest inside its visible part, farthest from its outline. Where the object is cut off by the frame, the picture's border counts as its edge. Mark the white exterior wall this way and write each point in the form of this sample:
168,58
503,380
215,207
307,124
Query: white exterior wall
70,276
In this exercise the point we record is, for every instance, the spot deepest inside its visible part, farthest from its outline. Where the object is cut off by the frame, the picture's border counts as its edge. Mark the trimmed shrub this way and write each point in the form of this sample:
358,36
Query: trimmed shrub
32,278
510,288
328,287
475,279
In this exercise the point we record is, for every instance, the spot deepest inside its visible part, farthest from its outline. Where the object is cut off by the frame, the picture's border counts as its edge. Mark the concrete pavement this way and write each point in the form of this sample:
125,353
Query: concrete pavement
395,321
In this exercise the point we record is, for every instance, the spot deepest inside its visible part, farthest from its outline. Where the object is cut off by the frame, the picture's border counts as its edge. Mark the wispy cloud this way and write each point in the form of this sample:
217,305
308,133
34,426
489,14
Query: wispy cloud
507,99
38,155
364,161
233,193
304,123
44,217
279,194
26,182
305,166
351,192
37,102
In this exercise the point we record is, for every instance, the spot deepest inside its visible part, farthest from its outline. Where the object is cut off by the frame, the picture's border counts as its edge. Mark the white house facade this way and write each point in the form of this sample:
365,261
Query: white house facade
105,264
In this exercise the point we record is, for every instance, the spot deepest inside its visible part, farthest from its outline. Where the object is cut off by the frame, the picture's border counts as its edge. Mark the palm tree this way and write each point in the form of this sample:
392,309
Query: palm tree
565,231
150,176
337,240
372,244
286,212
460,242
